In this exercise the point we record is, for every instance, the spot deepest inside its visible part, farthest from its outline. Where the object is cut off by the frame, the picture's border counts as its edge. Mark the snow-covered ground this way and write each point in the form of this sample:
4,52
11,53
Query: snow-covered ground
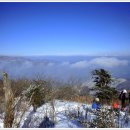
62,109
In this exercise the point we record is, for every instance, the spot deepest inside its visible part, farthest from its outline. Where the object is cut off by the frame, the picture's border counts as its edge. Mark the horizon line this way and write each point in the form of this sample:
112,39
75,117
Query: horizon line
61,55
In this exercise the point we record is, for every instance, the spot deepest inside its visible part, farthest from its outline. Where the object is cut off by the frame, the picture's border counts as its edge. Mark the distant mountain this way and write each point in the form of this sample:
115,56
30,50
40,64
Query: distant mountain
124,85
116,82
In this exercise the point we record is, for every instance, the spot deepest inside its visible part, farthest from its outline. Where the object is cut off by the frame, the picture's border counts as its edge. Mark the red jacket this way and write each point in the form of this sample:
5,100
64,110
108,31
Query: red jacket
115,105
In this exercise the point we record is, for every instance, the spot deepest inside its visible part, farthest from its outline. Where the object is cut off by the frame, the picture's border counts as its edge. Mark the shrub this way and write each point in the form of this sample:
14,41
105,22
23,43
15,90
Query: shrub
66,93
38,93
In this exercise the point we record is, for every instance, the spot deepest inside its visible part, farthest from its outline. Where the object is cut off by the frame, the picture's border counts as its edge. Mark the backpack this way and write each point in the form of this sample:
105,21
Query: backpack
120,96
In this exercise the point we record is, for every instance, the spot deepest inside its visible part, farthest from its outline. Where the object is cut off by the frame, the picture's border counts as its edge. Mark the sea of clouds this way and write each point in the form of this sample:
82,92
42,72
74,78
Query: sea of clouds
64,67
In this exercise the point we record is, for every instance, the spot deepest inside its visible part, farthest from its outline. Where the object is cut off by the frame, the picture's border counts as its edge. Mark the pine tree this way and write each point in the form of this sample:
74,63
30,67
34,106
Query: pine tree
38,93
103,81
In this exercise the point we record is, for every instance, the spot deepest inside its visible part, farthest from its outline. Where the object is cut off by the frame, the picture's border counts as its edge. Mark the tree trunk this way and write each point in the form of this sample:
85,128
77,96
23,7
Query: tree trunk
9,100
53,110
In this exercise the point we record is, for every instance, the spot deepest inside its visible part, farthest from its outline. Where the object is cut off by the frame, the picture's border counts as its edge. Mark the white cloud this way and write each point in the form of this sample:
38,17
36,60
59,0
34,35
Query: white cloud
101,61
80,64
27,64
65,63
51,64
109,62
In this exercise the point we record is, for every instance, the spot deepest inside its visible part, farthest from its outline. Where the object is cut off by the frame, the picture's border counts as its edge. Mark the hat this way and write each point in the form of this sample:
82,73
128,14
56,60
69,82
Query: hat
97,99
124,91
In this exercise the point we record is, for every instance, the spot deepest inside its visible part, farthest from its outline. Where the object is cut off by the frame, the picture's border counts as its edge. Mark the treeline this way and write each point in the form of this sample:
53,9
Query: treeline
46,90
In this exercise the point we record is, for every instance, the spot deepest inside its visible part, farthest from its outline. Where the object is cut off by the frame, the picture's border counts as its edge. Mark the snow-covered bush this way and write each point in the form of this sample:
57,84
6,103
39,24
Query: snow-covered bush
38,93
104,119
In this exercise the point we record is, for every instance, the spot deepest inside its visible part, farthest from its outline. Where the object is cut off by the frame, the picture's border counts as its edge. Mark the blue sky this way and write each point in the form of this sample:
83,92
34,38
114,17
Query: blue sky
65,28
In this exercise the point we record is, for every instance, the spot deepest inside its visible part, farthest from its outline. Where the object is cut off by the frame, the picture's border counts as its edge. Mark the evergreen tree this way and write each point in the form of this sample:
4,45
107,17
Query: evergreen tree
38,93
103,87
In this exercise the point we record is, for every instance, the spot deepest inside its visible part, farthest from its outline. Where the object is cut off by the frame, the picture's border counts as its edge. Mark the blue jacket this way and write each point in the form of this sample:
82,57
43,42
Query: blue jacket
96,106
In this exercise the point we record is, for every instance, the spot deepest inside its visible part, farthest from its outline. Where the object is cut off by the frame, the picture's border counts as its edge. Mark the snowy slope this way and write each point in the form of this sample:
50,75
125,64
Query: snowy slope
62,109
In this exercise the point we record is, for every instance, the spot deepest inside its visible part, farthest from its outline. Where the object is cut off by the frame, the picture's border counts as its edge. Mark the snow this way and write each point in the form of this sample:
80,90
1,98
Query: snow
64,122
62,109
1,123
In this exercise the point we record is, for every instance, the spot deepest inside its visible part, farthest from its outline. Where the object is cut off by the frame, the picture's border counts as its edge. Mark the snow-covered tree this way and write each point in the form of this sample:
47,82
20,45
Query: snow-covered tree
38,93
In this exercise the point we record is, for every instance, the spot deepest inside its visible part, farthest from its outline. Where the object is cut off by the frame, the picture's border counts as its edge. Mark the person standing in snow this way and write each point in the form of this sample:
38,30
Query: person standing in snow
123,99
129,97
96,105
129,100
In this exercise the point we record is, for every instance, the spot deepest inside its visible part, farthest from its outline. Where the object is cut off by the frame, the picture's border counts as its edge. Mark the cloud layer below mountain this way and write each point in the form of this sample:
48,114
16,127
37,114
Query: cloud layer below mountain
63,67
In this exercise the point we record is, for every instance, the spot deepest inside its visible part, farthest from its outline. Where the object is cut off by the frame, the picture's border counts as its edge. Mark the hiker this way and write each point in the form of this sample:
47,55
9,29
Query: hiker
123,99
96,105
129,100
129,97
120,96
